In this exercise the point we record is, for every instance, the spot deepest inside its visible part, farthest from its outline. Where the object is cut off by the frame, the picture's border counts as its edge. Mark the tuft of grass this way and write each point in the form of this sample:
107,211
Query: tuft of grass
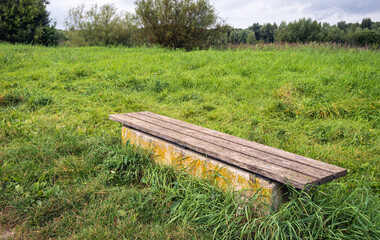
338,213
12,98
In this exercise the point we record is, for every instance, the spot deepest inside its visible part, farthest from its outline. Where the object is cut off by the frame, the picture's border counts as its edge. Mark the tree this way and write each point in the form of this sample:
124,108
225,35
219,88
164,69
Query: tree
267,32
251,39
281,34
239,36
342,25
179,23
366,23
365,37
303,30
26,21
335,34
256,29
102,25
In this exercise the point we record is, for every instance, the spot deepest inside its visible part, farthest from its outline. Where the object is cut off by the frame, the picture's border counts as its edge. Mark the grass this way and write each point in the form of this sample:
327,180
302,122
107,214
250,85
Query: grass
65,174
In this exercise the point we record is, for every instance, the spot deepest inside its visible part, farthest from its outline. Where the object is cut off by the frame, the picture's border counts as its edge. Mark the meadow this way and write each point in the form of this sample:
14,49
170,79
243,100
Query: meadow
65,174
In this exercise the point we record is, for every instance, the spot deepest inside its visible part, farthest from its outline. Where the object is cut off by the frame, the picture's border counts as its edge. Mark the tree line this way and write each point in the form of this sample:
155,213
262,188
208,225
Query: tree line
306,30
187,24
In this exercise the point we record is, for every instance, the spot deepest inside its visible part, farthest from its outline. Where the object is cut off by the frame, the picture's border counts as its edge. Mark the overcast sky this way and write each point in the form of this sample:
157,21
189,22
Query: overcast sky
243,13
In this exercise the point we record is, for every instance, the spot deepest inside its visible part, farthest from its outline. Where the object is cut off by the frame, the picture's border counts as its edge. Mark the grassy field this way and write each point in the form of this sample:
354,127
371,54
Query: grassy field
65,174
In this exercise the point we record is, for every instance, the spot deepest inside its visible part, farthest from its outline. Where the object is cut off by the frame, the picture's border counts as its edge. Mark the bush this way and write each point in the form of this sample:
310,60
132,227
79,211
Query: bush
100,26
179,24
365,37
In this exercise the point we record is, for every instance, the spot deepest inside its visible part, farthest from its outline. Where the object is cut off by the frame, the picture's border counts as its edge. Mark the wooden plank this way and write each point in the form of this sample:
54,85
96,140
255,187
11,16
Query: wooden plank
271,159
254,165
335,170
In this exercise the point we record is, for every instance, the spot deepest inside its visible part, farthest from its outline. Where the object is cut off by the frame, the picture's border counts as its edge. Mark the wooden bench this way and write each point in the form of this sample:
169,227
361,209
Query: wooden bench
240,163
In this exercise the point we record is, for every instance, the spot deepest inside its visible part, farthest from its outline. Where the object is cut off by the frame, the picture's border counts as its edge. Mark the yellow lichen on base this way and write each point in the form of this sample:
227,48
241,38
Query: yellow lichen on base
199,165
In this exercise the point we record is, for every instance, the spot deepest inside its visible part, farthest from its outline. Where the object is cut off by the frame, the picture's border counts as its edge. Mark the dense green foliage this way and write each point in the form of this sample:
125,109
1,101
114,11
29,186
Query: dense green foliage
255,33
26,21
64,173
179,23
102,26
306,30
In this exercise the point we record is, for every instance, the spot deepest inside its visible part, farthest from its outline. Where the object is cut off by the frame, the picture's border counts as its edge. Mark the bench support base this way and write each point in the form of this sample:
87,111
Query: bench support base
199,165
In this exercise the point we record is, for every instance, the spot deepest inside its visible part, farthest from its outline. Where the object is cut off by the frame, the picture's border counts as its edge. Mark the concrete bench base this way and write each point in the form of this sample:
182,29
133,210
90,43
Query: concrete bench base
199,165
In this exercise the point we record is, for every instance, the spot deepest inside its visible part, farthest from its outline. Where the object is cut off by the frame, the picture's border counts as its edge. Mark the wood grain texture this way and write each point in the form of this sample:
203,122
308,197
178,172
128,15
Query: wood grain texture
275,164
254,145
273,159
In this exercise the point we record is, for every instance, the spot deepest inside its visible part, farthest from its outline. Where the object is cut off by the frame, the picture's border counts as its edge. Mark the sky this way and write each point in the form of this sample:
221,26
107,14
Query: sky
243,13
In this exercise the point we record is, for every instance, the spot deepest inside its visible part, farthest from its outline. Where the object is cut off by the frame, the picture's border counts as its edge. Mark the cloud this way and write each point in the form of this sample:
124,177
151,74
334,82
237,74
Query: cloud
348,6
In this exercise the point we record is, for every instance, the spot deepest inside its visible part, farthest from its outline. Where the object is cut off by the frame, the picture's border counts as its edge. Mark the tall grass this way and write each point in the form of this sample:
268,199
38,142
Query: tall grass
65,174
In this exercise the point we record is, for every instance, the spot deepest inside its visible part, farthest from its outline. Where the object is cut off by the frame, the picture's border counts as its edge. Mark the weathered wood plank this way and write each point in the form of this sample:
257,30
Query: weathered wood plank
271,159
243,161
335,170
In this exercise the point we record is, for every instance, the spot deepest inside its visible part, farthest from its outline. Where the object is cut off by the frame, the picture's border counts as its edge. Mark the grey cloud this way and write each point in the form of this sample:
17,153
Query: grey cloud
348,6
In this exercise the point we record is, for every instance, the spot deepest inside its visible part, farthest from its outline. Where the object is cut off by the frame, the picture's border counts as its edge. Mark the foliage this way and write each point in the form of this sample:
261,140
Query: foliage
303,30
306,30
367,23
267,32
239,36
253,34
102,26
65,175
256,29
26,21
184,24
334,34
365,37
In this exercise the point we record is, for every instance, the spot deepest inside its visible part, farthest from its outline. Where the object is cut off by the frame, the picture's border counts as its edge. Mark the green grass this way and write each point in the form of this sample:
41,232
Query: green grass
65,174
